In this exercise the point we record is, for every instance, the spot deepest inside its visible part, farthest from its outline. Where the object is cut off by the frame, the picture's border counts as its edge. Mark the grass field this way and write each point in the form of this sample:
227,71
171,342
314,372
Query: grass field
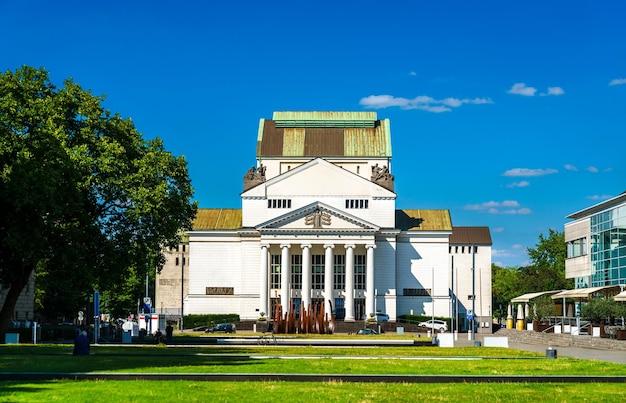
316,360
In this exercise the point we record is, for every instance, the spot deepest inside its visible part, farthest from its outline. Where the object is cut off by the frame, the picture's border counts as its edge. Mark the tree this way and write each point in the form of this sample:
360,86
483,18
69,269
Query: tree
547,269
505,286
84,198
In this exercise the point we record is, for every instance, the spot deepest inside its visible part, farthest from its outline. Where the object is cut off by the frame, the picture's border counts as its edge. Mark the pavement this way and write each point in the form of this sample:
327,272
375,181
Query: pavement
614,356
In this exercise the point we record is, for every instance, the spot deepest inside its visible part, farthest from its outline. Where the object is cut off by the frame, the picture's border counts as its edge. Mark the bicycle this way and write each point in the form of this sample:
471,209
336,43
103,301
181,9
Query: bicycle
265,339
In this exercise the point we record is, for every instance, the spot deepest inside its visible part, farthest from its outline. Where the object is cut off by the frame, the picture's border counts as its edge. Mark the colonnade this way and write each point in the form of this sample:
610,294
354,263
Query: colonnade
285,273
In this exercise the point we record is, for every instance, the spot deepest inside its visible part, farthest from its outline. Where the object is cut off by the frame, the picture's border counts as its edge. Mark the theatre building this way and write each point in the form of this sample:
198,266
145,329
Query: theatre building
318,224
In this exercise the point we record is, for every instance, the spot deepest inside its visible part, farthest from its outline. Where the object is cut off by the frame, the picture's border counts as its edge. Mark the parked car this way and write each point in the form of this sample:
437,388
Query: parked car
367,331
382,317
222,327
437,325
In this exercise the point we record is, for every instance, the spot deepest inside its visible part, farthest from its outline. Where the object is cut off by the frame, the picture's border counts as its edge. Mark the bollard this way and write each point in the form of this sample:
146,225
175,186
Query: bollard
550,353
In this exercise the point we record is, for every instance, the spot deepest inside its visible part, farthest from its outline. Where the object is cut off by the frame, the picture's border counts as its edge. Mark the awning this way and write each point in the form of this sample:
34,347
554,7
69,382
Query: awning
621,296
532,295
587,292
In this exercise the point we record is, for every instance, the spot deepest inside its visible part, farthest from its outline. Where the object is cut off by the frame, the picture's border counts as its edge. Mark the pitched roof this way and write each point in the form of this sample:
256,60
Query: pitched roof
217,219
324,134
470,236
423,220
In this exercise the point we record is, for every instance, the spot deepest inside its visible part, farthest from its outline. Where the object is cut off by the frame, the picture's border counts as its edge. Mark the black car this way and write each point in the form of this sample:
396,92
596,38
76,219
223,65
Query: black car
222,327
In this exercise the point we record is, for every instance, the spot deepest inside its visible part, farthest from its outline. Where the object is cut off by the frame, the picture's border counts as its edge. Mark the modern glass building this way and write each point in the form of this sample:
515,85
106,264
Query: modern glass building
596,244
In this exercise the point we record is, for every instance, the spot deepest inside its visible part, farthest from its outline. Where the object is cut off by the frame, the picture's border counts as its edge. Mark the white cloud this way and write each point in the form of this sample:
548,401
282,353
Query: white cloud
593,169
598,197
570,167
617,81
521,184
529,172
522,89
497,229
412,73
503,207
554,91
518,246
607,169
422,102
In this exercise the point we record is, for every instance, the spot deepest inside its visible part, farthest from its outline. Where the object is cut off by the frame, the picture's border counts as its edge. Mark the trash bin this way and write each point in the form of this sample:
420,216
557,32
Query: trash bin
477,344
400,330
12,338
550,353
126,337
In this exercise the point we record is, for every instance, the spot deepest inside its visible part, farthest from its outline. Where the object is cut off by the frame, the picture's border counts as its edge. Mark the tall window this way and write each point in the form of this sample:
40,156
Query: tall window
317,272
296,272
275,271
360,269
339,269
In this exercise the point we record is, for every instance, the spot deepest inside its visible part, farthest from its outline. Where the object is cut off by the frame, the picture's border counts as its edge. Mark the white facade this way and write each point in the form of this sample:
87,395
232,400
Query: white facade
319,229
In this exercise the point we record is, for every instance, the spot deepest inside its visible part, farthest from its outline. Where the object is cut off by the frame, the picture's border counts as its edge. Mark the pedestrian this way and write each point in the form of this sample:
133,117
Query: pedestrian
169,331
158,336
81,344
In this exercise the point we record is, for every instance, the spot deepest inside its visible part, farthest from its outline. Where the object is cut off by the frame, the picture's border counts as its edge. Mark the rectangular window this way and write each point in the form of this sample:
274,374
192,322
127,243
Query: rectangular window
296,272
339,269
416,292
317,272
577,247
360,268
357,203
275,271
278,203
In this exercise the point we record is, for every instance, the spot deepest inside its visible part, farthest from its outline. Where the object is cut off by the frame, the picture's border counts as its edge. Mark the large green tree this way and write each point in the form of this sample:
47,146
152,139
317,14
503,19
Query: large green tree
84,198
547,265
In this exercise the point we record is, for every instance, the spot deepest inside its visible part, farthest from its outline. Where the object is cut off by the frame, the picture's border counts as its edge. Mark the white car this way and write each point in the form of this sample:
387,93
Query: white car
438,325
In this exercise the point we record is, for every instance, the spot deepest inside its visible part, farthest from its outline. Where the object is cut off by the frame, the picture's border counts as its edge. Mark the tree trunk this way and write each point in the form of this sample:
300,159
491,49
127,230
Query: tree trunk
6,313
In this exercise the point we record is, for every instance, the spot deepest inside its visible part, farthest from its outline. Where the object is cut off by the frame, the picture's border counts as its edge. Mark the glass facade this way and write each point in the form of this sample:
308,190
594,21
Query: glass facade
608,247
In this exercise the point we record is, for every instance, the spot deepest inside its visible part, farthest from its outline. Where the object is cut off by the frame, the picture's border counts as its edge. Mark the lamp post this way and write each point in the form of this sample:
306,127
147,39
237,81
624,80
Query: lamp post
182,289
473,292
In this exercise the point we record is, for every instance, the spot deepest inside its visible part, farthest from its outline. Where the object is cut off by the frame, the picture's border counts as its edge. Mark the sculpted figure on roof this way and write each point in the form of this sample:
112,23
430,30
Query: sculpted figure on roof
382,176
253,177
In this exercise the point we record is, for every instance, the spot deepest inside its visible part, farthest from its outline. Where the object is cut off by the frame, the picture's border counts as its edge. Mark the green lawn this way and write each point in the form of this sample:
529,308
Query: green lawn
319,360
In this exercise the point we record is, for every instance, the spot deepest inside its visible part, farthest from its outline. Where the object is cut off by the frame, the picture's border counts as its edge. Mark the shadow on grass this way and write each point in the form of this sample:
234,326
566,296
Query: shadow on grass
110,358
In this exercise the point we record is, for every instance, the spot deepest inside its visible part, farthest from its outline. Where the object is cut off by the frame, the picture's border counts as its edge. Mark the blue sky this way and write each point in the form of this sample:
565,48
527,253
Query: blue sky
510,114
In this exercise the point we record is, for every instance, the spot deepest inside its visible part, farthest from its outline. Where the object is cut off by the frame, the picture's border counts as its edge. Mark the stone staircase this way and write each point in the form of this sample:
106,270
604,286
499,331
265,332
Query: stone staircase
561,340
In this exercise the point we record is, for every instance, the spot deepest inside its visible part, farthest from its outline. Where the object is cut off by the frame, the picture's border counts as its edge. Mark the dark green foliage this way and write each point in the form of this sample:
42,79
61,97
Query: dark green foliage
84,197
603,310
545,273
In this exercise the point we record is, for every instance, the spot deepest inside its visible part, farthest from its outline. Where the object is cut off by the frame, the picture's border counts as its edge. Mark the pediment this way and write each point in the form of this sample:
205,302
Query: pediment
319,177
317,217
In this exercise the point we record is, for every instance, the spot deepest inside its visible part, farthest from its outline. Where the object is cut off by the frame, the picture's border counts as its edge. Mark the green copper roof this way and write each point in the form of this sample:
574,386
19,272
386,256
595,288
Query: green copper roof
324,134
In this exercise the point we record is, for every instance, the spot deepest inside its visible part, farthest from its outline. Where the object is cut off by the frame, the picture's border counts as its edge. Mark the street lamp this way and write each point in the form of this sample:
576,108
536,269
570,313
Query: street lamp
182,289
473,291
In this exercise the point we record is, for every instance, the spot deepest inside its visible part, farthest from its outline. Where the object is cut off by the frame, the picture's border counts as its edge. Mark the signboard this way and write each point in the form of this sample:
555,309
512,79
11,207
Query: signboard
96,303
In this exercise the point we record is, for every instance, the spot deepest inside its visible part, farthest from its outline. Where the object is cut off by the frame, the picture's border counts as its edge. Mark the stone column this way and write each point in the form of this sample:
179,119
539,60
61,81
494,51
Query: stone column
306,276
328,278
369,281
264,286
349,301
285,271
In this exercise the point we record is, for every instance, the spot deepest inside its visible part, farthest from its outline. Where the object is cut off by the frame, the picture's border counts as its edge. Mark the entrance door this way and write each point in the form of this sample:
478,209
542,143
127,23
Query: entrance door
359,309
340,310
